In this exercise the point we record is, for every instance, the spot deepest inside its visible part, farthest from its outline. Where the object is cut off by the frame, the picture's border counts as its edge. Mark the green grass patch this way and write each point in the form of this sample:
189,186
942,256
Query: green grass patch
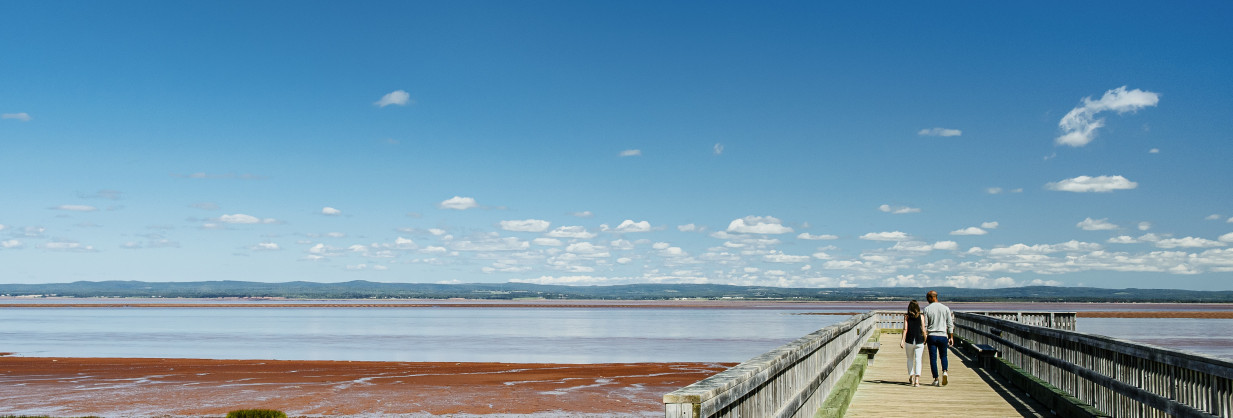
256,413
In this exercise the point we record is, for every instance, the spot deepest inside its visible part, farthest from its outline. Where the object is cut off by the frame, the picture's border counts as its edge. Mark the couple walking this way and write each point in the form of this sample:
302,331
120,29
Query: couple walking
933,326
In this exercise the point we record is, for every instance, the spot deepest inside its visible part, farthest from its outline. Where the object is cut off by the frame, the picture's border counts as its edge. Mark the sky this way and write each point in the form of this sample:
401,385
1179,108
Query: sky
796,144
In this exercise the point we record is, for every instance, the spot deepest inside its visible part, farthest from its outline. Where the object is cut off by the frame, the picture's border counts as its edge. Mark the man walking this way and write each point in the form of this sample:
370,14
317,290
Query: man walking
941,328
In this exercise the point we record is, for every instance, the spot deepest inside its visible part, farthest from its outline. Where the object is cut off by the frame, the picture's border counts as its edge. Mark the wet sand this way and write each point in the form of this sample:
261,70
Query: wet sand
190,387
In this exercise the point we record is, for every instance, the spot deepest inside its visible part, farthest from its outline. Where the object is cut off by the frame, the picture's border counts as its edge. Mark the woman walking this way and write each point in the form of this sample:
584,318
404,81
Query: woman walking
913,341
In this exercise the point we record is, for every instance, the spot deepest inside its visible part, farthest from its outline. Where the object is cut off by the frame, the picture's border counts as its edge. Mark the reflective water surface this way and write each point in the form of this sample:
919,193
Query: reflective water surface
507,334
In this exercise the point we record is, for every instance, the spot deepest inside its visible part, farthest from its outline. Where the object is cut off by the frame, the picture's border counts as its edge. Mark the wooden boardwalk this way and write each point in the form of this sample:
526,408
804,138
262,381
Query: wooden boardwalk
885,392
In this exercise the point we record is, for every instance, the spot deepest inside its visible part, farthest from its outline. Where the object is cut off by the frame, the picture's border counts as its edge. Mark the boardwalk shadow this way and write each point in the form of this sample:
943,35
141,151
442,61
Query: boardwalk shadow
1025,405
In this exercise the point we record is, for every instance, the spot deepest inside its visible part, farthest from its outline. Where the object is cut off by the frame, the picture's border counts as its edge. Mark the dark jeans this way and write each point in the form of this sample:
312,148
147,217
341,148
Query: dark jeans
936,343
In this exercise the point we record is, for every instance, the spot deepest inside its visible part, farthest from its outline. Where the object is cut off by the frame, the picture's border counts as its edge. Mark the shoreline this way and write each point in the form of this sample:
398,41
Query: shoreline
196,387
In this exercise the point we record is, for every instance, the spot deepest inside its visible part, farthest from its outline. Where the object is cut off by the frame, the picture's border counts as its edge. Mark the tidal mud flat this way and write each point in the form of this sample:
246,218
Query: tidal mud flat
114,387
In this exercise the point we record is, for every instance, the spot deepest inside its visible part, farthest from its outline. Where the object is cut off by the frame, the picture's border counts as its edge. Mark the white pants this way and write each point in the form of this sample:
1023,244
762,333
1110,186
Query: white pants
914,353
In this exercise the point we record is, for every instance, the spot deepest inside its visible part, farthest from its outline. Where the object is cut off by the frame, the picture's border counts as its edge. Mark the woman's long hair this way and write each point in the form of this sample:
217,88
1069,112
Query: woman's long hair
913,309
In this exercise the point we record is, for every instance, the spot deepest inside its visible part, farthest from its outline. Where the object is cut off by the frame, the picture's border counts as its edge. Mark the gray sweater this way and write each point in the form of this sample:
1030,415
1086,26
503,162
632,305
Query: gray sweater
939,319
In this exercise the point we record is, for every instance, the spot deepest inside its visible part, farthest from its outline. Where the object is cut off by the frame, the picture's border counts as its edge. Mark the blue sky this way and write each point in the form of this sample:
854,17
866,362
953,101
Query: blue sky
792,144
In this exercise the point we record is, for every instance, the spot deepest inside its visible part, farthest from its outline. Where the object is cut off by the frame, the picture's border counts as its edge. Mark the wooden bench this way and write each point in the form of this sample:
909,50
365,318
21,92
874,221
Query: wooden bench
870,348
985,354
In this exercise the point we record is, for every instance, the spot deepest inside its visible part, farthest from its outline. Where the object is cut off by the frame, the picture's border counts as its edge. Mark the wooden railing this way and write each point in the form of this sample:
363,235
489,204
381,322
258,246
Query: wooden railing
1117,377
790,381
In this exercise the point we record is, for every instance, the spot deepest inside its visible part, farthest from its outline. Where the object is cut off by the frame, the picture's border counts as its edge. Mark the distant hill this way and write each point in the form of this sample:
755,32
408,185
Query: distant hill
373,290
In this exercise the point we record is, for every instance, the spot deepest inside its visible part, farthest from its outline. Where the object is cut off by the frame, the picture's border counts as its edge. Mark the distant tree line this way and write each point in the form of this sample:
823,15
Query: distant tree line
508,291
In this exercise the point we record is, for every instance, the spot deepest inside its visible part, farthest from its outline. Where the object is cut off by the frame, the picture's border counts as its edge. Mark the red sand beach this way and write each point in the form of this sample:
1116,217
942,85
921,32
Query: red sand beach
189,387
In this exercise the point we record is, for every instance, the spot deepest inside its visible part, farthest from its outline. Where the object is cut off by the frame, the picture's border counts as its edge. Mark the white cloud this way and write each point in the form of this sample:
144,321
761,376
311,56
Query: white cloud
396,97
1214,217
11,244
994,190
971,230
939,132
718,148
458,203
587,249
1080,124
1099,184
1226,237
631,226
808,236
631,153
330,211
687,228
526,225
266,246
1143,226
491,244
23,116
241,218
1154,151
571,232
989,225
898,210
780,257
885,236
71,246
547,242
1123,239
76,208
946,245
758,225
1188,242
1090,224
583,214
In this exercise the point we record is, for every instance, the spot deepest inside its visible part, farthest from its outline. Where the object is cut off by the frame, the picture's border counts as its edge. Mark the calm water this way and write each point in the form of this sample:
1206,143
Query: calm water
510,335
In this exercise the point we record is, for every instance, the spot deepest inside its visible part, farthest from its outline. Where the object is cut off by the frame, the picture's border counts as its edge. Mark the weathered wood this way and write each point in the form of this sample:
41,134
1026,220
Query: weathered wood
885,392
780,383
1117,377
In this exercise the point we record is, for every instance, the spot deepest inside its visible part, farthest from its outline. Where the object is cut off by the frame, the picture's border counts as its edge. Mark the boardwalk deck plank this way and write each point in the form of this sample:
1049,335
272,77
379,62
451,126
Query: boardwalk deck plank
885,392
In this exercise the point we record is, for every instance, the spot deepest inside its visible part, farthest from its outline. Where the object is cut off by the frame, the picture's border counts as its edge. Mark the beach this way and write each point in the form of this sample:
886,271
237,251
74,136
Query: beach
67,385
194,387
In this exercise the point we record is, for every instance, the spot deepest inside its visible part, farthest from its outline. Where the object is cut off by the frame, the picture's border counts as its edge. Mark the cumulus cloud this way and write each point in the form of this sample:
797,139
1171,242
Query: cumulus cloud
76,208
23,116
547,242
396,97
811,237
526,225
687,228
491,244
1143,226
898,210
939,132
330,211
241,218
780,257
631,153
68,246
1226,237
631,226
971,230
266,246
1099,184
758,225
1090,224
1188,242
577,232
1080,124
885,236
458,203
989,225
